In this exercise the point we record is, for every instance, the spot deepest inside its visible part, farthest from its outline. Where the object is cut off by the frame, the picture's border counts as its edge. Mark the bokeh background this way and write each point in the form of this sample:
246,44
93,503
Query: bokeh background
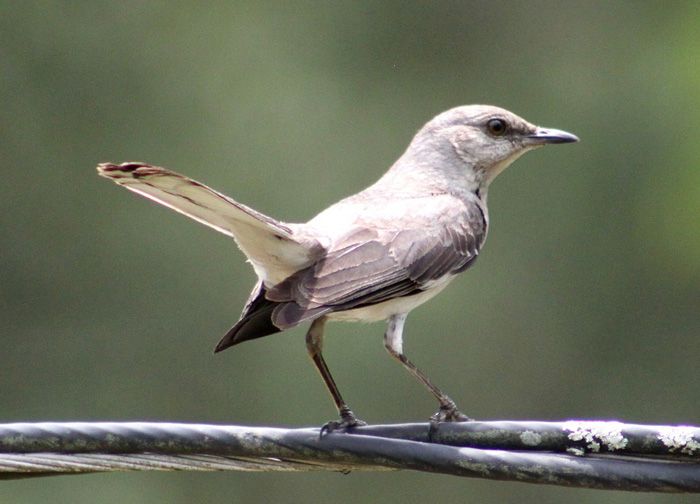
584,304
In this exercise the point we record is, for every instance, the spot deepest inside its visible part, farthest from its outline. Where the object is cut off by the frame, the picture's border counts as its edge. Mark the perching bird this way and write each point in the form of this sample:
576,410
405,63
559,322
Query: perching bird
373,256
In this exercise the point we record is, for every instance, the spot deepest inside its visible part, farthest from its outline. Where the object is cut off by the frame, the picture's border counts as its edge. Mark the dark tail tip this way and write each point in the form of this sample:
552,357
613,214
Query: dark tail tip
111,169
106,167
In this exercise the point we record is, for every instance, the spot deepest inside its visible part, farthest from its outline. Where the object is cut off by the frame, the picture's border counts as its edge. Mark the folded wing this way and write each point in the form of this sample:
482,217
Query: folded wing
373,265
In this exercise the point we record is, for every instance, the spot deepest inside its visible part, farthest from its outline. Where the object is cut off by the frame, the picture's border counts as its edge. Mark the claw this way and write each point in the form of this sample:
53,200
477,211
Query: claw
447,413
347,421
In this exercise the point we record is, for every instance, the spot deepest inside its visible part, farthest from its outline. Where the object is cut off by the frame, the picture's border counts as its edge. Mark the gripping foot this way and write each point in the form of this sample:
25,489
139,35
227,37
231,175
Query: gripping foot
347,421
448,412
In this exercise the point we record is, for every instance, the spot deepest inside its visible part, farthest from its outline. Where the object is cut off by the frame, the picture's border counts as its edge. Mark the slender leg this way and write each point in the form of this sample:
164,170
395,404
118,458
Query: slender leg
314,345
393,342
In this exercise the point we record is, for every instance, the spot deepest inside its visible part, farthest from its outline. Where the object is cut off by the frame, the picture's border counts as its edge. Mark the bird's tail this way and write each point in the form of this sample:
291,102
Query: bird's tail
274,248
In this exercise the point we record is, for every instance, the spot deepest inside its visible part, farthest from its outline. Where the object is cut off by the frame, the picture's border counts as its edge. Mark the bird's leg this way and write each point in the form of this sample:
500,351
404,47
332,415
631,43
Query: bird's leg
314,345
393,342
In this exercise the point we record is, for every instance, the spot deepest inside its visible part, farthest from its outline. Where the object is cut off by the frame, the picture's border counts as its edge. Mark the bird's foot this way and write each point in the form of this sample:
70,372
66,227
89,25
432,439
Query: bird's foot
347,421
448,412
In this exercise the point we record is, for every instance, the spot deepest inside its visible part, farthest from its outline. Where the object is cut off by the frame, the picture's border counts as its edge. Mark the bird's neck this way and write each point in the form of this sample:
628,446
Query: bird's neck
438,172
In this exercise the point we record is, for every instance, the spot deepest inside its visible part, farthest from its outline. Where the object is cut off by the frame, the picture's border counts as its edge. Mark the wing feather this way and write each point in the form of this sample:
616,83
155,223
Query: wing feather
372,265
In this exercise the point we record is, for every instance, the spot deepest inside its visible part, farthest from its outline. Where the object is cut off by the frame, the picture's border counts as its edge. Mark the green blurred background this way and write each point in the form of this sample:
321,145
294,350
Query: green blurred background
584,303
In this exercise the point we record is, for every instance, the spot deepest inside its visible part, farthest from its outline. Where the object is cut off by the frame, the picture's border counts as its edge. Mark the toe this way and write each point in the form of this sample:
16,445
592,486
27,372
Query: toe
347,422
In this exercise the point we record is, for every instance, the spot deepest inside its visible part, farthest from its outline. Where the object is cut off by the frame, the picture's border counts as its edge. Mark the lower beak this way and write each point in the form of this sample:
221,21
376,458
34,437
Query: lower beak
551,136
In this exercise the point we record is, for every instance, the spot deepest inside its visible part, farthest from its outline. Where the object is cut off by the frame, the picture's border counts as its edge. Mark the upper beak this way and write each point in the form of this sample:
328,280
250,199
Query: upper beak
551,136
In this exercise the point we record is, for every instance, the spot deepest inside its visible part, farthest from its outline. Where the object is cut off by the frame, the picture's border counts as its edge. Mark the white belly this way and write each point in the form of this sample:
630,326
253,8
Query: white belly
383,311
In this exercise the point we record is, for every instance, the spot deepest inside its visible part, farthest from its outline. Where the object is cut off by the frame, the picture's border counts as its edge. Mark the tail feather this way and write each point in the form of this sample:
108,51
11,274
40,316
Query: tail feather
274,248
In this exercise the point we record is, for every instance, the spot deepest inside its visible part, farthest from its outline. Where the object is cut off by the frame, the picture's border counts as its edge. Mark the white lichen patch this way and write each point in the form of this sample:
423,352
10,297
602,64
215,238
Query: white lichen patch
597,434
679,438
530,438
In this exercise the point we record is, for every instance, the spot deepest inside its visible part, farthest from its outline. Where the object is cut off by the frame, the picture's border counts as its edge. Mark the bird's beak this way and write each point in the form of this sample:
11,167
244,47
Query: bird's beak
551,136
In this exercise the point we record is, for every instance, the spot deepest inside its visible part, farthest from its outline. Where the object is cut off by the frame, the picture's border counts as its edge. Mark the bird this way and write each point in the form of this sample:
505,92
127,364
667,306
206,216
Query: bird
372,256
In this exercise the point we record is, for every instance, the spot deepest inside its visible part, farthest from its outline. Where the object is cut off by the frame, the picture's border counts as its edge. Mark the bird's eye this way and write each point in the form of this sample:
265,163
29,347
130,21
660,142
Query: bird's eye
497,127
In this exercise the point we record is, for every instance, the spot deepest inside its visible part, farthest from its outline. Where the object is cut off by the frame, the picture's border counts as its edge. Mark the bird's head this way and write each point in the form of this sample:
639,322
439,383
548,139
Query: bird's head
484,139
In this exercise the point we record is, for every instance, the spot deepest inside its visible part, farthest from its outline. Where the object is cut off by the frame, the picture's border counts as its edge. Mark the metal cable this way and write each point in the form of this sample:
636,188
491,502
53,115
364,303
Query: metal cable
591,454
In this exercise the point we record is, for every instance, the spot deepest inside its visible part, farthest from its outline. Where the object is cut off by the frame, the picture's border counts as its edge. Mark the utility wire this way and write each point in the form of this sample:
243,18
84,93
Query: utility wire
587,454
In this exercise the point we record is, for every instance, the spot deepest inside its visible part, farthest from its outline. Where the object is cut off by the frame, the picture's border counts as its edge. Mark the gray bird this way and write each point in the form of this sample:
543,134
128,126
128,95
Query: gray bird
373,256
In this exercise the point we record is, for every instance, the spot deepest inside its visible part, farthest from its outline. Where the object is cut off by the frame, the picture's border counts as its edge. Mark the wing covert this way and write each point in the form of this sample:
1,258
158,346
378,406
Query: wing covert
372,265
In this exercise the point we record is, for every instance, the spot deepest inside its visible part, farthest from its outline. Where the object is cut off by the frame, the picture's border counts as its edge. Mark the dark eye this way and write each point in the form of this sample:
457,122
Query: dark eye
497,127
